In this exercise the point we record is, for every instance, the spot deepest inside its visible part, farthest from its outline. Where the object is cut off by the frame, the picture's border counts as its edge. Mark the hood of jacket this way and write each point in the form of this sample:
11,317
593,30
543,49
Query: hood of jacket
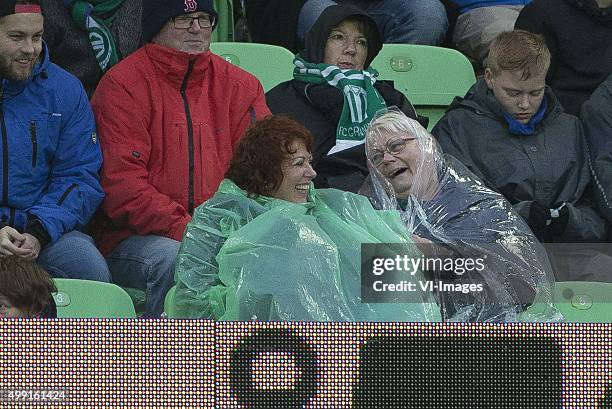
332,16
591,8
10,87
481,100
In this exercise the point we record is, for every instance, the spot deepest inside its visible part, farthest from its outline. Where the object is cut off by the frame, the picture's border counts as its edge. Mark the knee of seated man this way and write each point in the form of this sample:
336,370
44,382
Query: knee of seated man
162,252
75,255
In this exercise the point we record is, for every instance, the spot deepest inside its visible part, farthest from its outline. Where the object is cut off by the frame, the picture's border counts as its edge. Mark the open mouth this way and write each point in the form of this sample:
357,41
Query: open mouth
397,172
302,187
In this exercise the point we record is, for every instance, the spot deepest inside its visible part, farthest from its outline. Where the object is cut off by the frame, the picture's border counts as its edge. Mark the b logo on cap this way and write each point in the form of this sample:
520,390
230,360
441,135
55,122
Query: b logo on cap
191,5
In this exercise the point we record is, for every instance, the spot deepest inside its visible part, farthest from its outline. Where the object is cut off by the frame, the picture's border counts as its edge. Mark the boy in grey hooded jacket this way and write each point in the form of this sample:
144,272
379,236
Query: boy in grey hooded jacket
511,131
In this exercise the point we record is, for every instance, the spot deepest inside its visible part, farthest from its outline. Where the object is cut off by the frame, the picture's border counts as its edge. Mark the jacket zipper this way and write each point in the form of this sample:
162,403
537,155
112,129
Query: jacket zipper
190,203
66,193
5,156
34,143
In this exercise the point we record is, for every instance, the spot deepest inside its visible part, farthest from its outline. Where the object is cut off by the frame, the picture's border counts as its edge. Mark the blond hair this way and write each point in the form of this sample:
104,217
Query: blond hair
519,51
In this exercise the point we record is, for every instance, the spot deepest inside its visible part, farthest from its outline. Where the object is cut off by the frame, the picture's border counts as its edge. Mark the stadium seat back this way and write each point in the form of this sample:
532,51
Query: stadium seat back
269,63
584,301
430,77
225,21
169,303
139,299
91,299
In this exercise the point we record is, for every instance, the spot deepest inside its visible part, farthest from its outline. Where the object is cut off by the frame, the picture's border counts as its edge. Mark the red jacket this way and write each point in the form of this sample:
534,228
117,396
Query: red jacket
168,123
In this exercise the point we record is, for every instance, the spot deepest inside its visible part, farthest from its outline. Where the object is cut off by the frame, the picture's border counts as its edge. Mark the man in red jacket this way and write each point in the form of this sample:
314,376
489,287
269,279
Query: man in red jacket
169,117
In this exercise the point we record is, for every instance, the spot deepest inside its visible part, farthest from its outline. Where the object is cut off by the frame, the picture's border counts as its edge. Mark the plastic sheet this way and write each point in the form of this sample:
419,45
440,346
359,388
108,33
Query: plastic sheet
449,210
261,258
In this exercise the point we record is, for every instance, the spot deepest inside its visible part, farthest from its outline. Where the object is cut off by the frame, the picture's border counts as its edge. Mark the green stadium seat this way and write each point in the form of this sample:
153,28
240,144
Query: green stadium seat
430,77
225,22
584,301
138,299
169,303
91,299
269,63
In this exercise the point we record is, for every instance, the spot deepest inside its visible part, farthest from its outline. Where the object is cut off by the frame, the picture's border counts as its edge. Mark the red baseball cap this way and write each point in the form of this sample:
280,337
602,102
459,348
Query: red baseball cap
8,7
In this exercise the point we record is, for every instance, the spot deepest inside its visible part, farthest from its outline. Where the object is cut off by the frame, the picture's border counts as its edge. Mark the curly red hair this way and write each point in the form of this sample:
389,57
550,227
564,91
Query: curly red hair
257,162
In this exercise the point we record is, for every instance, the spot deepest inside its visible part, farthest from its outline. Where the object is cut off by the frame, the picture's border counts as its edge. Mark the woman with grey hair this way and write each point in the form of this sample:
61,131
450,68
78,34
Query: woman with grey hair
451,213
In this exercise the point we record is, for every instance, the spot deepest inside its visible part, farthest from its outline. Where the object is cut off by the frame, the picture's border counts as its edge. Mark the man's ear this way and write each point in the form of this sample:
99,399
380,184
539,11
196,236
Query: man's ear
488,76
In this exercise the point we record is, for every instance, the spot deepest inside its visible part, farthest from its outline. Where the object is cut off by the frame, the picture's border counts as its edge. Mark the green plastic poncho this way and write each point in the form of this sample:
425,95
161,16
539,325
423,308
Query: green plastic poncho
262,258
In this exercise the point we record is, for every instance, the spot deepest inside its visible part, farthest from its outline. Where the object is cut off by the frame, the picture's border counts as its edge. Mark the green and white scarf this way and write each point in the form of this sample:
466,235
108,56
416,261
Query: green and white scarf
361,99
95,16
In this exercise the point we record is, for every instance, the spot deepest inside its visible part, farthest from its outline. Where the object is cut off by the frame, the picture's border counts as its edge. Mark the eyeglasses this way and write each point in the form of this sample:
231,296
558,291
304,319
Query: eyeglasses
186,22
393,147
346,39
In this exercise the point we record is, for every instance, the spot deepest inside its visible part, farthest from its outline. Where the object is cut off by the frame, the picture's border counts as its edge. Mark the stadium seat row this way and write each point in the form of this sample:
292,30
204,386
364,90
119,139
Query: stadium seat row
430,77
578,301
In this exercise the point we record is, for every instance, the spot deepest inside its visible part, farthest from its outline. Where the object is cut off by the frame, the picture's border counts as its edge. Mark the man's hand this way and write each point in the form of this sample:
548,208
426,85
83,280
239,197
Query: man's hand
31,243
11,242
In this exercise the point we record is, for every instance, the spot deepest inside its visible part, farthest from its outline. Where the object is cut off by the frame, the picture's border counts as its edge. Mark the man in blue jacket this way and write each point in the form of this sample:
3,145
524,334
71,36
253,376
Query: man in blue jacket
49,155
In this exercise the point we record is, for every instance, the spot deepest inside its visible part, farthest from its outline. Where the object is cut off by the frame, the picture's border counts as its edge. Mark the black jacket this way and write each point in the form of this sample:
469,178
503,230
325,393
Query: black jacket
579,36
274,22
548,167
318,107
597,120
69,45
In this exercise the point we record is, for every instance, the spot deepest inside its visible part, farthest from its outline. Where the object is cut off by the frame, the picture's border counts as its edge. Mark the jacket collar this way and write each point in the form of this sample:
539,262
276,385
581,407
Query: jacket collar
10,87
173,64
481,99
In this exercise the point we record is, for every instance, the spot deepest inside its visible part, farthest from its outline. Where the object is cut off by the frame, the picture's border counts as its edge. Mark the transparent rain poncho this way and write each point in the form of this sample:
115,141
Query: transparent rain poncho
450,212
262,258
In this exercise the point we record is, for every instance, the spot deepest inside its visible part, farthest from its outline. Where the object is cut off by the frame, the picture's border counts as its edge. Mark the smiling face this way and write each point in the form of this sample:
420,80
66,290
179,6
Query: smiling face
518,97
297,175
398,158
193,40
20,44
347,46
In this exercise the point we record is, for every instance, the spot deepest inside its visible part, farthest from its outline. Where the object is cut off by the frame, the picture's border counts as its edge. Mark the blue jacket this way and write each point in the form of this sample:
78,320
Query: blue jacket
49,153
467,5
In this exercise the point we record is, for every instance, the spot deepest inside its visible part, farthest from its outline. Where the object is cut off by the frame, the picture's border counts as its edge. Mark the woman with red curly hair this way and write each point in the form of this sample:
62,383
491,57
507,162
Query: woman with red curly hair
269,246
283,169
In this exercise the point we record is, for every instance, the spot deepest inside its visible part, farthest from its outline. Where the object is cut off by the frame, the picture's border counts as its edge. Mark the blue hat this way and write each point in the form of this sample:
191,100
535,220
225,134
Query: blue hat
156,13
